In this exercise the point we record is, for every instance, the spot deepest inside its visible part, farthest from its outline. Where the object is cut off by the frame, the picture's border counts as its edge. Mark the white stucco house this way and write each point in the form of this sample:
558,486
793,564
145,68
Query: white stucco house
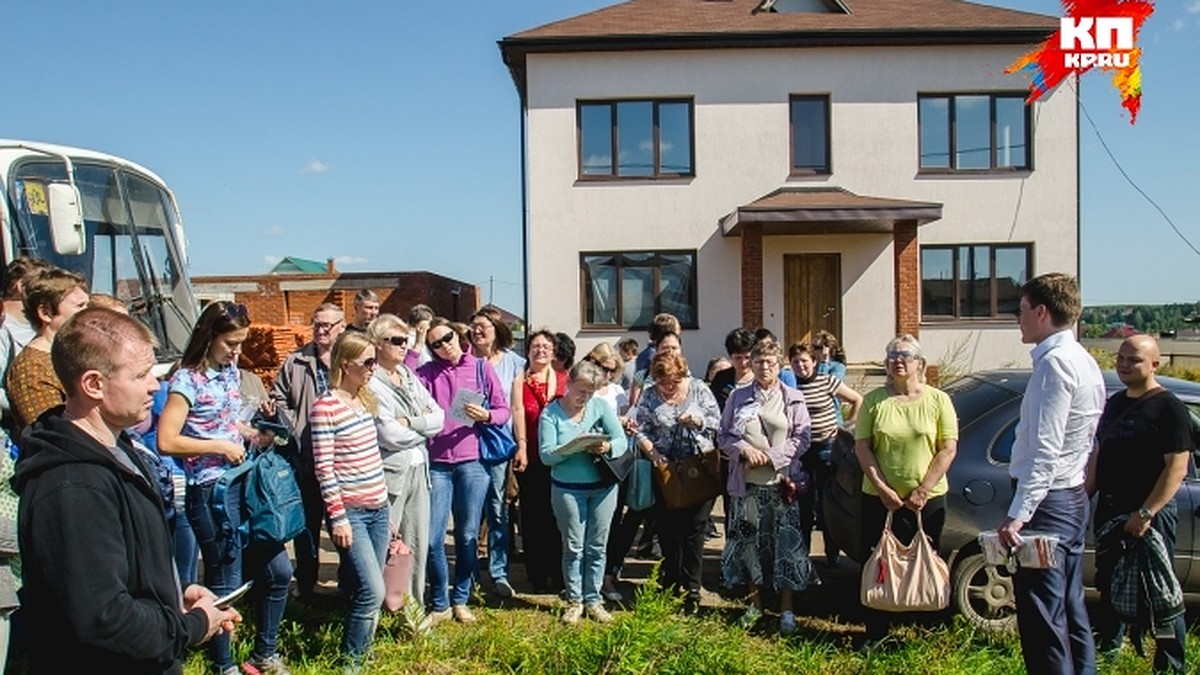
860,166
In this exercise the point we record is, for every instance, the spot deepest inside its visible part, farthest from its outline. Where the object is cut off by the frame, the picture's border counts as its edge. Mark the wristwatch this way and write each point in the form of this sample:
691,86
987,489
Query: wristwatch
1145,513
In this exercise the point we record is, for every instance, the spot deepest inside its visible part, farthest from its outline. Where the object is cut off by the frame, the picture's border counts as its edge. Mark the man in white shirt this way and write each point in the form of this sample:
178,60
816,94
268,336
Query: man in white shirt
1062,405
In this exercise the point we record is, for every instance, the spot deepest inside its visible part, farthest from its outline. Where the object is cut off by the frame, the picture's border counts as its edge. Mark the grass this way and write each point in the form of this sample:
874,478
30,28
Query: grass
650,636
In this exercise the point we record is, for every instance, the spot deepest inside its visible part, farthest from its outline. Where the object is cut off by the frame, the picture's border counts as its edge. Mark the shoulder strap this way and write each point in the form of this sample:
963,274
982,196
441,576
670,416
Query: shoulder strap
1108,428
482,380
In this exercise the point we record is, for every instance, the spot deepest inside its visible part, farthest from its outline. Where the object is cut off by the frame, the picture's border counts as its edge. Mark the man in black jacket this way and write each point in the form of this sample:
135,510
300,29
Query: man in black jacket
101,593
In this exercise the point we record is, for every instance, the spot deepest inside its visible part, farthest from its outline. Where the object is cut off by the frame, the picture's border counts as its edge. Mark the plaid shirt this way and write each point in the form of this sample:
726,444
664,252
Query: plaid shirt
1144,589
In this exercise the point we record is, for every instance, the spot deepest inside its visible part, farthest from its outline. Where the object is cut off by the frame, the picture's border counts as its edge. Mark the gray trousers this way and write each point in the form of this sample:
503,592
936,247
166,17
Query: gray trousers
408,510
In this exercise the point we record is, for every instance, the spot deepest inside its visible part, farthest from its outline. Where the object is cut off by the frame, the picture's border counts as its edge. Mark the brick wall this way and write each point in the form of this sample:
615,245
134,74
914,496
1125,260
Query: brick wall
908,278
752,275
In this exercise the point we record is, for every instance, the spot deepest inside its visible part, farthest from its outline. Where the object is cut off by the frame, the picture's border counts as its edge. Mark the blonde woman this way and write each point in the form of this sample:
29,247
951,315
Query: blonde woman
349,469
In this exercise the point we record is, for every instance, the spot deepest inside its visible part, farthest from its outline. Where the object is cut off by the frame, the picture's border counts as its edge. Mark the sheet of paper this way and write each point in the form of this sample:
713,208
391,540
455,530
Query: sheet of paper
458,407
581,443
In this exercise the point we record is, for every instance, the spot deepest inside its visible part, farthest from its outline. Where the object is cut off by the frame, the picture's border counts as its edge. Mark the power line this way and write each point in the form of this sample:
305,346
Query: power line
1130,180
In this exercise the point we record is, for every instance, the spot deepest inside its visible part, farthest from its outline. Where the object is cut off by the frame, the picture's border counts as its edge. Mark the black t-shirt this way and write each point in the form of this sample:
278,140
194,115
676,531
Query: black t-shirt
1132,455
722,384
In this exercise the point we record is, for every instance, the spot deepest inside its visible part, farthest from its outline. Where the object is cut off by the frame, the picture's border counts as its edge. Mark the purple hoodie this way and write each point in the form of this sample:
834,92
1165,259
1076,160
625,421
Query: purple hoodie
458,442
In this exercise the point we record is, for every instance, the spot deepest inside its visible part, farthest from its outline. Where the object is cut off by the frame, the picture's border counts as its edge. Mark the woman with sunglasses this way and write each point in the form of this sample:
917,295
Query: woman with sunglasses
406,418
905,439
349,468
459,481
491,340
202,422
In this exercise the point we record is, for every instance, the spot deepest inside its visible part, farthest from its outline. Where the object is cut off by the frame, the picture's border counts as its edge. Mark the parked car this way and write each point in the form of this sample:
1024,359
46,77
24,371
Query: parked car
988,405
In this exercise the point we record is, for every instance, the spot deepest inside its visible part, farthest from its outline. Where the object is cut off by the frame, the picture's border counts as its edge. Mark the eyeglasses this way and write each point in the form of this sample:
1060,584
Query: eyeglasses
398,340
366,363
322,325
236,310
442,341
901,356
765,363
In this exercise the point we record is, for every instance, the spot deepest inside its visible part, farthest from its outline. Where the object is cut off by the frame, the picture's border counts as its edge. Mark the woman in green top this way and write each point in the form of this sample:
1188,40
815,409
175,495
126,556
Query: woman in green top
906,437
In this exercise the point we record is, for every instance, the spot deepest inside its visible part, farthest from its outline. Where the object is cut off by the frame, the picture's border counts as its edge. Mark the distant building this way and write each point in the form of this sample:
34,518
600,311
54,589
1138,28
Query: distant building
290,265
1121,332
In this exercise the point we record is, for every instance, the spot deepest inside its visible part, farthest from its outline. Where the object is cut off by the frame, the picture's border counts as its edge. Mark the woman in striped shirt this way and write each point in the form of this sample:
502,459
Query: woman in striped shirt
349,468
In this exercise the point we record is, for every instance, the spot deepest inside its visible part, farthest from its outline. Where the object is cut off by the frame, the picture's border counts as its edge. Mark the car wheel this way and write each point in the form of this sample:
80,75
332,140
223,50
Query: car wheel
984,594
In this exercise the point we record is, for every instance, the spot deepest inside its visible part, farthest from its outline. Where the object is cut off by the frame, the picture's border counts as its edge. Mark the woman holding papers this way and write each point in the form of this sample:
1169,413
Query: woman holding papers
572,431
459,481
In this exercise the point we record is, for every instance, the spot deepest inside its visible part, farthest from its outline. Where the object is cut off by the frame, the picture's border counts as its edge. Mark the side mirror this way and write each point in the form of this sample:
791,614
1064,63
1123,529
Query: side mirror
66,219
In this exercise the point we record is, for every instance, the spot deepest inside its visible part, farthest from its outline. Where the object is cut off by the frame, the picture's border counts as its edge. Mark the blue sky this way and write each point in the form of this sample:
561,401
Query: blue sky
386,134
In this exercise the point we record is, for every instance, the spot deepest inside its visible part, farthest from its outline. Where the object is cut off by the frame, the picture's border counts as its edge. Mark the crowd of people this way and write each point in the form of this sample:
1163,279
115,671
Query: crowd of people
397,427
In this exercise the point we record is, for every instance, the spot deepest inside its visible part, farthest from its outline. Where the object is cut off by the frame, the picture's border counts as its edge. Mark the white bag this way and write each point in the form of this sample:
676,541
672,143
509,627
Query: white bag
899,578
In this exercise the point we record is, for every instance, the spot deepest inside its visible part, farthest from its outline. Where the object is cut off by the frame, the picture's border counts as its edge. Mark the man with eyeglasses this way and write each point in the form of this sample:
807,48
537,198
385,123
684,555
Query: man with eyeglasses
302,378
1059,414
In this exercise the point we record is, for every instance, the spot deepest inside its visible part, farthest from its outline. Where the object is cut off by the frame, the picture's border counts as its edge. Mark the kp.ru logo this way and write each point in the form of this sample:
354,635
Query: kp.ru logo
1093,34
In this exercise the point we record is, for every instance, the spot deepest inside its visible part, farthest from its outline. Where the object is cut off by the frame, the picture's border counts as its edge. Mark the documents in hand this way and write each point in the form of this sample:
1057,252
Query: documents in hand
458,407
581,443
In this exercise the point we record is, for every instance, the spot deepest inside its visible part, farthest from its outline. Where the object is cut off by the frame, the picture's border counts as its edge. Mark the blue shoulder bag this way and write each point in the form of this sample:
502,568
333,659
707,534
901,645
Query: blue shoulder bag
496,444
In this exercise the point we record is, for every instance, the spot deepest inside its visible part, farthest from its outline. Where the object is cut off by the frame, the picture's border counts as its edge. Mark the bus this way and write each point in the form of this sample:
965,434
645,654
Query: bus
112,221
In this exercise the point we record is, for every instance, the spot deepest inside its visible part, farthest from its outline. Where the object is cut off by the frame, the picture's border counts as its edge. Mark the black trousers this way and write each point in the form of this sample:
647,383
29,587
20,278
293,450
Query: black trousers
541,542
904,526
308,544
681,535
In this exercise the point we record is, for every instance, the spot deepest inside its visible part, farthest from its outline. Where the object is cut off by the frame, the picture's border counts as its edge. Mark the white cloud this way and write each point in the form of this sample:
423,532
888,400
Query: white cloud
1193,7
351,261
1179,24
314,166
272,260
274,231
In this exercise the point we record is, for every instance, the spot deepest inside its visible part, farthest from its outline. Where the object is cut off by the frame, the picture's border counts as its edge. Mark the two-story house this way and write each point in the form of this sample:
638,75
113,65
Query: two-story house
861,166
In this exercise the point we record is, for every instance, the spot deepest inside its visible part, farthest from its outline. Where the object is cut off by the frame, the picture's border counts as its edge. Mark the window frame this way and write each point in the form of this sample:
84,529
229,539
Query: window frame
793,170
615,140
584,286
995,316
952,132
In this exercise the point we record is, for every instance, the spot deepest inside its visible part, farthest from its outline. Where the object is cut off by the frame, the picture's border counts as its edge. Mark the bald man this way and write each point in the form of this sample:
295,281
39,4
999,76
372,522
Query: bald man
1141,457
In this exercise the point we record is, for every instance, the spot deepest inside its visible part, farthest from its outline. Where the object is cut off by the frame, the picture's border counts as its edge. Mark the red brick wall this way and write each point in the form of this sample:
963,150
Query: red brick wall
752,275
908,278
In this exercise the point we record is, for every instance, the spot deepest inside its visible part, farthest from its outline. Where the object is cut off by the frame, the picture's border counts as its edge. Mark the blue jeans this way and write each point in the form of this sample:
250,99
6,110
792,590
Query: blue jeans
187,551
461,488
584,516
496,508
363,563
1056,635
224,559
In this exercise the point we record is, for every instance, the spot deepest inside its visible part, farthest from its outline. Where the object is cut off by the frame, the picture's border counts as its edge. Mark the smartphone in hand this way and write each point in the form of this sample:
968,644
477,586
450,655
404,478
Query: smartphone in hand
225,601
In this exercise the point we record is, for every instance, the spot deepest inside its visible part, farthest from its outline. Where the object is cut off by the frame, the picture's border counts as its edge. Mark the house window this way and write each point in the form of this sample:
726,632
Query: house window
810,134
626,289
978,281
647,138
973,132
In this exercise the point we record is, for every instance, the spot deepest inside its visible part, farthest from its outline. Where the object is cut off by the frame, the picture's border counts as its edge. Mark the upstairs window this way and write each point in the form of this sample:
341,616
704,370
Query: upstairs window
810,134
624,290
973,281
635,139
973,132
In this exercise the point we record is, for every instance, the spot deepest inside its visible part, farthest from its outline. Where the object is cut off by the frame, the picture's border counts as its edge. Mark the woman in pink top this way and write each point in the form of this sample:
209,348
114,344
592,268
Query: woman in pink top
349,468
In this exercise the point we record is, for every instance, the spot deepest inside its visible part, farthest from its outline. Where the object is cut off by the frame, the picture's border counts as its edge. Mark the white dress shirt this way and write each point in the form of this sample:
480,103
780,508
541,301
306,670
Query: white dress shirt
1062,406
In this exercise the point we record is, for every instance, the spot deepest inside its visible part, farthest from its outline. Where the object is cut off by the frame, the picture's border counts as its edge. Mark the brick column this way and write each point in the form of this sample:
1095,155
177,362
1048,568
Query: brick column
752,276
908,278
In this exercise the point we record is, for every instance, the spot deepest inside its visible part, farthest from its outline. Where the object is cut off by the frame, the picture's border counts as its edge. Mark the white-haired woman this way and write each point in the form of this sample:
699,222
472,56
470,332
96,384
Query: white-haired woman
906,438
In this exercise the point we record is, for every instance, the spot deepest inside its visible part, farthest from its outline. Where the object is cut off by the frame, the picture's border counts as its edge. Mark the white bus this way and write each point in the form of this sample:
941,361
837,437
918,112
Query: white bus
106,218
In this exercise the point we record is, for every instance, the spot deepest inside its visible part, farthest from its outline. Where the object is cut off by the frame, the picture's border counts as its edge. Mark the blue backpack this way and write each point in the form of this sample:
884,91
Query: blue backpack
274,509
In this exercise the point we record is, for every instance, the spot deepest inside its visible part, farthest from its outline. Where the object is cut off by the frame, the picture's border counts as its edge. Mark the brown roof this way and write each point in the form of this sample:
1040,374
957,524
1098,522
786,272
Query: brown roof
826,211
709,24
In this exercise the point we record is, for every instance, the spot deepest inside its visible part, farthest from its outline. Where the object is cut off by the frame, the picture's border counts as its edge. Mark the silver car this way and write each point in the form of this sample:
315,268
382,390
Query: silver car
988,405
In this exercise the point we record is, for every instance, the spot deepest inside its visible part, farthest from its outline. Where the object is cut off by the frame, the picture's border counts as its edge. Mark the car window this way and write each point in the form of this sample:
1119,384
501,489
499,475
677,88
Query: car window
974,397
1000,450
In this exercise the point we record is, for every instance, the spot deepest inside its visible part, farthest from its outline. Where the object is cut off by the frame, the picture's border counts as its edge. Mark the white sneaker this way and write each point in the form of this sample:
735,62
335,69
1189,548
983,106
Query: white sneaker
597,613
572,614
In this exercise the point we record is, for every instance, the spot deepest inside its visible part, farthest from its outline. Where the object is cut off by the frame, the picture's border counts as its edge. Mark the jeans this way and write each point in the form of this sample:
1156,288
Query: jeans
408,499
1169,653
363,563
496,506
224,559
584,516
187,551
461,488
1056,635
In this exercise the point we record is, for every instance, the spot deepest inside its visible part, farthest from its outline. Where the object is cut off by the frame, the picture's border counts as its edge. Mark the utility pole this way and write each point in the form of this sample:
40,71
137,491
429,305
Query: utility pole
491,290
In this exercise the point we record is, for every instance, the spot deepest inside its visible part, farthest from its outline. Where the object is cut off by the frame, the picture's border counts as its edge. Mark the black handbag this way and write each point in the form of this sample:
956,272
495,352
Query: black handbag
615,469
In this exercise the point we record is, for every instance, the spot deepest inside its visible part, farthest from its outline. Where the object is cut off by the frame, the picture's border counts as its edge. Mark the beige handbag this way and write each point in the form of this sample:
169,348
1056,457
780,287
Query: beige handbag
899,578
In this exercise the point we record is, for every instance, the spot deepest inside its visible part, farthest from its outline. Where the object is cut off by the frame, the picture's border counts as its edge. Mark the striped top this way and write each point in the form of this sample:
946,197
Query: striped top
346,458
818,398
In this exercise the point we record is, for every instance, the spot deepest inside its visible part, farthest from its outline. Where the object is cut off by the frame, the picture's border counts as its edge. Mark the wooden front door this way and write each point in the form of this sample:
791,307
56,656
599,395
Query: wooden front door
812,295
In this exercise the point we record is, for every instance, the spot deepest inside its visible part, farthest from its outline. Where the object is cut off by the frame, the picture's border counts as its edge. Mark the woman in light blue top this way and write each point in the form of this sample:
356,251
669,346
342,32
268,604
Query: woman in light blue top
582,500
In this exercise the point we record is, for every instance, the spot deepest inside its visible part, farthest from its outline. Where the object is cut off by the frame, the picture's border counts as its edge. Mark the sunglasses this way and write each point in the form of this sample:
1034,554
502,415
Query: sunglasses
442,341
366,363
398,340
321,325
901,356
236,310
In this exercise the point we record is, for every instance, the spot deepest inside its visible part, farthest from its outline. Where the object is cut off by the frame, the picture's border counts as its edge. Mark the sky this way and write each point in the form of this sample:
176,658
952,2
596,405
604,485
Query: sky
386,134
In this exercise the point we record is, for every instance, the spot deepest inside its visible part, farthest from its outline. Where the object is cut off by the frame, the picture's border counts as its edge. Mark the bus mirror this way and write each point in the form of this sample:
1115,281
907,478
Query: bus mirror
66,219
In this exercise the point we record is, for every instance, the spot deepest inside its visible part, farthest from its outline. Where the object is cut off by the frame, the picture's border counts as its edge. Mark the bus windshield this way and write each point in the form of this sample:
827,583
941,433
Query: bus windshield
130,225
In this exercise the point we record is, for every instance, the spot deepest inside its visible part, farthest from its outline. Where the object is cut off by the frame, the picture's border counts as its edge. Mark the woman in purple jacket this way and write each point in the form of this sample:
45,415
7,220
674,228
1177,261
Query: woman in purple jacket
764,432
459,481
